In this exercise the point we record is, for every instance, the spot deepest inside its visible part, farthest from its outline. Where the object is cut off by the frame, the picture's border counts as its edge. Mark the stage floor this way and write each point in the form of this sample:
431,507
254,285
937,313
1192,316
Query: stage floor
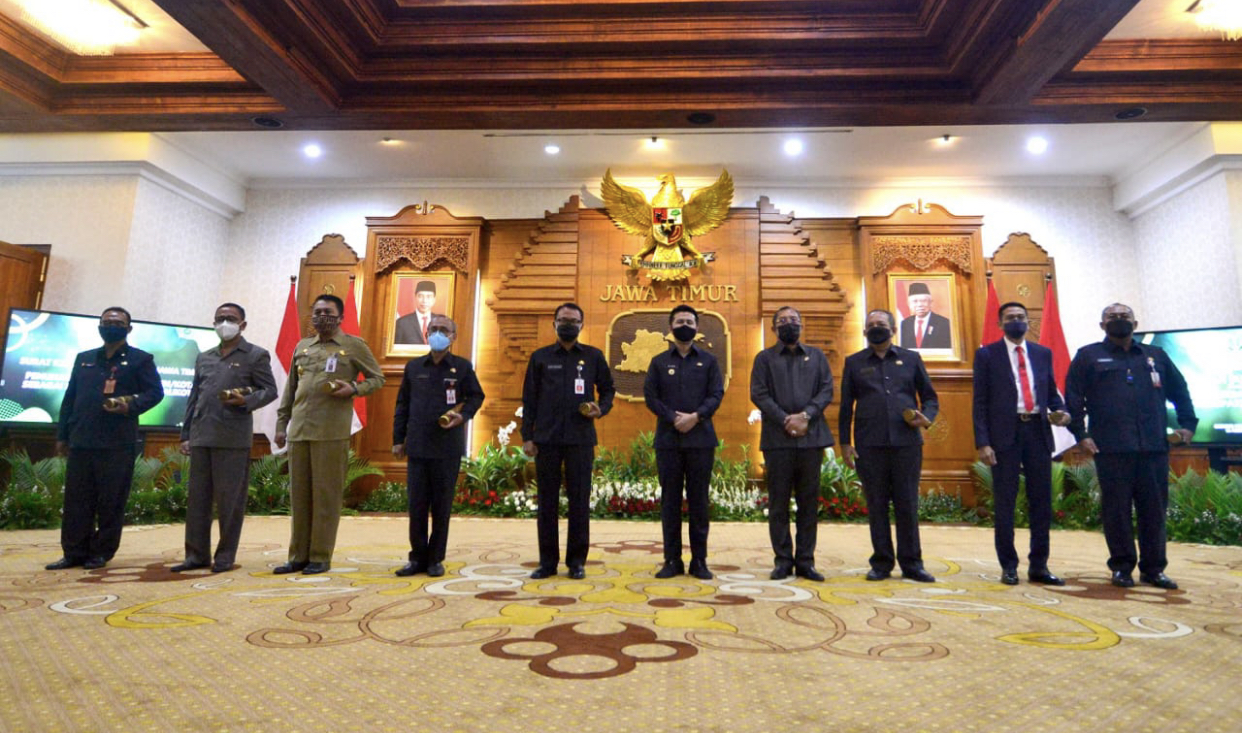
134,647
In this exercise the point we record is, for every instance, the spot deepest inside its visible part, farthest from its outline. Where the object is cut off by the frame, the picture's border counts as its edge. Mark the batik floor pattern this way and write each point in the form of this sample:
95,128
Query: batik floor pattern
133,647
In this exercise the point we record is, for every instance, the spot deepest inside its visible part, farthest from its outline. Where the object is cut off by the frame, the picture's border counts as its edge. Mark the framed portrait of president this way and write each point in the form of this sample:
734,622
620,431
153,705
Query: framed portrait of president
926,308
413,298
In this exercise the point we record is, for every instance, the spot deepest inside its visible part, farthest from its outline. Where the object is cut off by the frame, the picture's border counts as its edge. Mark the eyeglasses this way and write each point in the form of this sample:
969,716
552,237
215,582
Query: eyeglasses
786,320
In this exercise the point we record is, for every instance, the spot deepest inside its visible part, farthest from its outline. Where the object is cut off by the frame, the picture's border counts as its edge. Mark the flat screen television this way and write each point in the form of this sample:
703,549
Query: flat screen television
1211,361
38,357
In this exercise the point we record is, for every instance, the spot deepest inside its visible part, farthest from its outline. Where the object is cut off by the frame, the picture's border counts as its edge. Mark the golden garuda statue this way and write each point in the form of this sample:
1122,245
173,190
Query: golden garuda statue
669,223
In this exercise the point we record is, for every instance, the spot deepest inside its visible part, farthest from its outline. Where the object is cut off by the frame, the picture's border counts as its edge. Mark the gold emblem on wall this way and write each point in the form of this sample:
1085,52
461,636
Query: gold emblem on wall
635,337
669,222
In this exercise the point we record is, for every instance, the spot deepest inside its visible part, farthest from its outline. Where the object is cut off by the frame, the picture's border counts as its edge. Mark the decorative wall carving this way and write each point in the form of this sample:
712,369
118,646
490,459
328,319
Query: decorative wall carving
422,252
920,251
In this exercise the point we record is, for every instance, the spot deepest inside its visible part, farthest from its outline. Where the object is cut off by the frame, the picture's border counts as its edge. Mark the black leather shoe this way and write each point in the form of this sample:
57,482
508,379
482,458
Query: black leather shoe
221,567
577,573
1122,580
874,575
94,563
289,567
1160,580
780,572
315,568
541,573
435,570
410,568
918,575
1045,578
1009,577
62,564
810,574
184,566
671,568
698,568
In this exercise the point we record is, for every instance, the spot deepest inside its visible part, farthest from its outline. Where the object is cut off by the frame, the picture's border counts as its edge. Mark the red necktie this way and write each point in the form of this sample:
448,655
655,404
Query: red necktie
918,334
1028,400
424,322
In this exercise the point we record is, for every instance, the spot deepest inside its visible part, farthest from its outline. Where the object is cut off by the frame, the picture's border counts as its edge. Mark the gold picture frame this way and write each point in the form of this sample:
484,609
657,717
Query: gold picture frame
404,335
935,294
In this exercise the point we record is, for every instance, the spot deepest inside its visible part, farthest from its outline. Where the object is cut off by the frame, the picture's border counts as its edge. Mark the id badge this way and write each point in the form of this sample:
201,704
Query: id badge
1155,379
450,391
109,386
330,365
579,386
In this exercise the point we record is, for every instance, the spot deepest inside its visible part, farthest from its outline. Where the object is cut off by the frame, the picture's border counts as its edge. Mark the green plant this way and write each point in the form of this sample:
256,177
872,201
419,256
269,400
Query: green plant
389,497
33,496
357,468
837,480
1206,508
939,505
269,485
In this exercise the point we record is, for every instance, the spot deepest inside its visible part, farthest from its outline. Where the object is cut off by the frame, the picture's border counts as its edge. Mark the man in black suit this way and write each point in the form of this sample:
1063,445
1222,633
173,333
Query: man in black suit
924,329
412,327
1015,405
886,398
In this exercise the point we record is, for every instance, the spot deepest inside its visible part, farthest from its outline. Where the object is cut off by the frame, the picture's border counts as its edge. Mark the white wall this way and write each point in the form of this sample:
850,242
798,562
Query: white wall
176,257
86,219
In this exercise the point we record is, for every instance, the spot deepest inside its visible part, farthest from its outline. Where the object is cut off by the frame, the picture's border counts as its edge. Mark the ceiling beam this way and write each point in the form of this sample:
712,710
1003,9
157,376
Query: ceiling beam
1062,33
236,36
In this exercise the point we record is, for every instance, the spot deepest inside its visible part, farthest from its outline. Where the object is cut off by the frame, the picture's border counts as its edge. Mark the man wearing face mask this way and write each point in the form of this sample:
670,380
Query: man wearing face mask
791,384
684,388
108,389
439,394
314,418
231,381
1016,403
886,400
1117,392
568,387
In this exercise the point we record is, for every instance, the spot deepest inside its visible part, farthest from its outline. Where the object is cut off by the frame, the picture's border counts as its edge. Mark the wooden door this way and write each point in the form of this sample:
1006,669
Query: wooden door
22,272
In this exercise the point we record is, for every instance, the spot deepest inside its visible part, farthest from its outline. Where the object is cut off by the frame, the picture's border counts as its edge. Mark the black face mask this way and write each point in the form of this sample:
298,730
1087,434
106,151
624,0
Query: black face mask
879,334
1119,329
1015,329
112,334
789,333
685,334
324,324
567,331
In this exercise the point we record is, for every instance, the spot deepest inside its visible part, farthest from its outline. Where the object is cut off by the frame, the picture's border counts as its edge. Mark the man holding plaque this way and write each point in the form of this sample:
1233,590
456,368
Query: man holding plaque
231,381
1016,404
108,389
1124,387
439,394
886,401
315,416
568,387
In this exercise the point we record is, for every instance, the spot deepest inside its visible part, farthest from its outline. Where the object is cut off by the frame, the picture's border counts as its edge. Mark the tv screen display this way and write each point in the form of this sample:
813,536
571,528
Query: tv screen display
41,346
1211,361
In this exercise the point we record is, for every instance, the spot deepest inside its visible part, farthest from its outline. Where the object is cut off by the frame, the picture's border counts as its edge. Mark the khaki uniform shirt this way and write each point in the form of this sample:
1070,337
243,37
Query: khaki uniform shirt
307,411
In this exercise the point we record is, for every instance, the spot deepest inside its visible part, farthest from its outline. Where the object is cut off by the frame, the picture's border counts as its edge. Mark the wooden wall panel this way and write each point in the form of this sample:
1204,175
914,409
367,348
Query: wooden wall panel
23,271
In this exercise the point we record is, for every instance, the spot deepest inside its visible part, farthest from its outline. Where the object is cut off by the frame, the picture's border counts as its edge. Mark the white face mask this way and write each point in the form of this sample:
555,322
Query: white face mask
227,330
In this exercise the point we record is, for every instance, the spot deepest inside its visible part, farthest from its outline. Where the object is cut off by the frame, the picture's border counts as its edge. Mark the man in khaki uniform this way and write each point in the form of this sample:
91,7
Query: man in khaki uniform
315,415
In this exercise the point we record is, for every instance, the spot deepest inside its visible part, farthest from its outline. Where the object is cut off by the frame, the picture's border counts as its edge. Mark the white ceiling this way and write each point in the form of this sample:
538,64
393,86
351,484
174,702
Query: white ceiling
863,154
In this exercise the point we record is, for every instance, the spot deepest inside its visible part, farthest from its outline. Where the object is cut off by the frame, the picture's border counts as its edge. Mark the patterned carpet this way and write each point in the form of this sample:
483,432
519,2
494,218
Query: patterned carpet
133,647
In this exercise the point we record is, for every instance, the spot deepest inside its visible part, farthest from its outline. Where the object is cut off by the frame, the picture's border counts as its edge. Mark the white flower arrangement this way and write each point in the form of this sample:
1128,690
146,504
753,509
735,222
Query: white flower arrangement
754,417
502,435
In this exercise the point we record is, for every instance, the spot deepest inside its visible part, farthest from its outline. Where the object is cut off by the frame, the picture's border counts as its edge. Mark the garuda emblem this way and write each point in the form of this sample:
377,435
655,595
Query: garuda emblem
669,222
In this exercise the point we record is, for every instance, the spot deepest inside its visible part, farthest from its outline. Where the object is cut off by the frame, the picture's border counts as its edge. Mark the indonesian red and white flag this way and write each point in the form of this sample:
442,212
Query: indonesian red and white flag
286,343
349,324
1051,335
991,327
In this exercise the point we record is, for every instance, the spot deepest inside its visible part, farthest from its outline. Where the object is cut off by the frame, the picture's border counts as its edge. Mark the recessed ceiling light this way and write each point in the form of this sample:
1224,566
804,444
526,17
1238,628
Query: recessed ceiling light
551,148
311,150
390,141
268,122
1036,145
945,140
654,143
793,147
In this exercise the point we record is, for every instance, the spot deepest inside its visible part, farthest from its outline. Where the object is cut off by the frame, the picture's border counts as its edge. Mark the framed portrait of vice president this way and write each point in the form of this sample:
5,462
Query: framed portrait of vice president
926,308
